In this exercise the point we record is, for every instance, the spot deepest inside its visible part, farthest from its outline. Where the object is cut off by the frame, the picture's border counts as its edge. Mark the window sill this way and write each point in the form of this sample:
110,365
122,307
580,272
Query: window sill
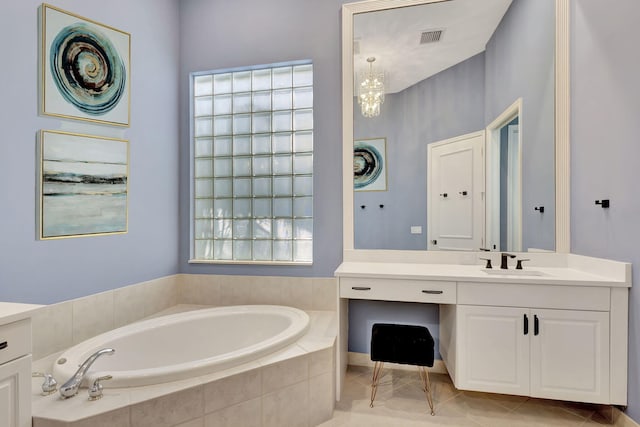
237,262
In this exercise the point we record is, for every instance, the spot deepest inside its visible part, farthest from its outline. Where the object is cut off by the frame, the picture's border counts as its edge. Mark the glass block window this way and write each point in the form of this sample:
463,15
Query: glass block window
253,165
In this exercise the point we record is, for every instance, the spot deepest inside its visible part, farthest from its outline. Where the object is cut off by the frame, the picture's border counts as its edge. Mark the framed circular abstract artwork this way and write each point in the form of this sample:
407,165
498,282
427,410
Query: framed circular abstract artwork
85,69
369,165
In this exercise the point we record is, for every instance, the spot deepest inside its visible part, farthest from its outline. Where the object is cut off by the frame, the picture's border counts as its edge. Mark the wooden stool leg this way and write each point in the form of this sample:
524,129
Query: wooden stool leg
377,370
424,375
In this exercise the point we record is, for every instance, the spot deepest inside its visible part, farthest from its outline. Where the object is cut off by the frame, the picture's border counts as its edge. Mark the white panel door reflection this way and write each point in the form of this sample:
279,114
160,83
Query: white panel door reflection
455,186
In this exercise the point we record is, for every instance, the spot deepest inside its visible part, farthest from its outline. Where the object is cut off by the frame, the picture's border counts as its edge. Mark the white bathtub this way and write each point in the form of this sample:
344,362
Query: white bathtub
185,345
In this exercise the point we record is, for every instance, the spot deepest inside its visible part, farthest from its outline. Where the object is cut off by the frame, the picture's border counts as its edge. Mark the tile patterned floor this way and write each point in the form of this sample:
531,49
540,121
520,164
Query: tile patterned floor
401,402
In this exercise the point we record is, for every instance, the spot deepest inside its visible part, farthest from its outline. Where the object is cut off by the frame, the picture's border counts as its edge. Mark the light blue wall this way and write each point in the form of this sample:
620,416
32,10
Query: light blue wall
605,147
50,271
520,63
449,104
219,34
605,128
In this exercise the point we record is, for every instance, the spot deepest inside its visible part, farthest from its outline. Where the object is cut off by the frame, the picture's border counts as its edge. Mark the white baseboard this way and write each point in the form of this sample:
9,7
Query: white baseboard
364,359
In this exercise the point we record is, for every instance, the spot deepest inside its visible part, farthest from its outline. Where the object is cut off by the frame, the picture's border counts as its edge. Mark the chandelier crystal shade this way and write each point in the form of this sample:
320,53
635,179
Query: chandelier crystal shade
371,90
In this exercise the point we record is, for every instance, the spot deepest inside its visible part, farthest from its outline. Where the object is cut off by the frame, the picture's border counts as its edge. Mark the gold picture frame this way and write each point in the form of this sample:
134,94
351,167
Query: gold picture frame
85,69
83,185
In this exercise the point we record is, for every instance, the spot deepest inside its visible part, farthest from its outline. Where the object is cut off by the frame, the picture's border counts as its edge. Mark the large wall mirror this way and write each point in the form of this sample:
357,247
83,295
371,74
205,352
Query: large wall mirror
456,125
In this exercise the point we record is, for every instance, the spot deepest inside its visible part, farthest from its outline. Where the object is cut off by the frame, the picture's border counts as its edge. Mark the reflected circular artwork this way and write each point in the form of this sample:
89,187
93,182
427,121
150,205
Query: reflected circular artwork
87,69
367,164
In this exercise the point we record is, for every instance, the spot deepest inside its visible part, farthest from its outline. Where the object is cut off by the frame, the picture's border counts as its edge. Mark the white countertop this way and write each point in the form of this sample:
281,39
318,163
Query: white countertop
12,312
474,273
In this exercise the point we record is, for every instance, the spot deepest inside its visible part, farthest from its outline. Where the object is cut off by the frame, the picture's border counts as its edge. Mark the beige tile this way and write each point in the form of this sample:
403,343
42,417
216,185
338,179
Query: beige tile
169,410
92,315
232,390
325,294
128,303
198,289
297,292
287,372
267,289
321,398
43,422
198,422
160,294
119,418
287,407
245,414
52,328
321,362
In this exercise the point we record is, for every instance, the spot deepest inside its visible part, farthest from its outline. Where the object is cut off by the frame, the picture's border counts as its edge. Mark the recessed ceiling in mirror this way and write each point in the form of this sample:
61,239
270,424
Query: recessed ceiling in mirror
451,69
417,42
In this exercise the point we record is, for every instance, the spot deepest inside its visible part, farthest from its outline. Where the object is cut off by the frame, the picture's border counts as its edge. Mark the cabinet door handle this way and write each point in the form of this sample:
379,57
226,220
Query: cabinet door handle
361,288
433,292
3,345
526,325
536,325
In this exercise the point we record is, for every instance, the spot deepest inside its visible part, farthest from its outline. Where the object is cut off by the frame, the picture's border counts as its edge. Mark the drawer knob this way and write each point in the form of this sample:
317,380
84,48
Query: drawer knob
361,288
431,292
4,345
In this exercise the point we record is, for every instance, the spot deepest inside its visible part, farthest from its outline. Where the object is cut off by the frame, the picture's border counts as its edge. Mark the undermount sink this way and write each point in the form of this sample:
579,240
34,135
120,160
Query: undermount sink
513,272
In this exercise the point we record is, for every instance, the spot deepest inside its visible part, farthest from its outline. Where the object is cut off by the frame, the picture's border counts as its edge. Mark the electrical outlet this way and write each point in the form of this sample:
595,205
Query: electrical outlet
416,229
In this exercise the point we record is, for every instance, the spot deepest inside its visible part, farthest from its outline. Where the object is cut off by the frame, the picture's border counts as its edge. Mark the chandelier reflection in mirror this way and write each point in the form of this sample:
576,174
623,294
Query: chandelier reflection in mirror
371,90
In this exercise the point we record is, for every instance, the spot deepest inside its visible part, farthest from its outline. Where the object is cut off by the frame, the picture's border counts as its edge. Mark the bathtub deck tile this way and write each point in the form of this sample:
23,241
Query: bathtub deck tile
321,398
245,414
321,362
198,422
232,390
146,393
277,375
77,407
287,407
169,410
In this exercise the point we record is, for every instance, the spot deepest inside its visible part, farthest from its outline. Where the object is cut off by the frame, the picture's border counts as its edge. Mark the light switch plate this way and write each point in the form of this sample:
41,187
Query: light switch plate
416,229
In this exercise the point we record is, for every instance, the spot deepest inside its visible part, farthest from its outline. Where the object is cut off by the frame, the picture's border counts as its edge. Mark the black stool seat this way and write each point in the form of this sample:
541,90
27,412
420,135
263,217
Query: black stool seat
406,344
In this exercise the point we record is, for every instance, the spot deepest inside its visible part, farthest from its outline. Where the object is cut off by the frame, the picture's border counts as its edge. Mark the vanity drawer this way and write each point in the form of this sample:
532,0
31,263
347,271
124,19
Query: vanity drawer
15,340
537,296
430,291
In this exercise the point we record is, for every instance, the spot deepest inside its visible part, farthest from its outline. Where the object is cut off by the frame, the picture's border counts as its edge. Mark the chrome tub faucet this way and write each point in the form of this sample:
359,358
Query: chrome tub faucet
70,388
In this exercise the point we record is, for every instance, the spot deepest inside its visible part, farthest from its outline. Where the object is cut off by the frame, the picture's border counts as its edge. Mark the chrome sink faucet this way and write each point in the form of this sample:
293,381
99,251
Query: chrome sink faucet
503,260
70,388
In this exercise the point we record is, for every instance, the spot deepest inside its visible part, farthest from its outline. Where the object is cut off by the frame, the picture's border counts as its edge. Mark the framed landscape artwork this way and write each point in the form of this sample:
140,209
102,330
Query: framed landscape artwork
370,165
85,69
83,185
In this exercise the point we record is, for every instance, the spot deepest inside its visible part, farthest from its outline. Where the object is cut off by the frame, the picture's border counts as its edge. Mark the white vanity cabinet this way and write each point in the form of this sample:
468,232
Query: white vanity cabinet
15,393
15,365
561,334
536,340
557,354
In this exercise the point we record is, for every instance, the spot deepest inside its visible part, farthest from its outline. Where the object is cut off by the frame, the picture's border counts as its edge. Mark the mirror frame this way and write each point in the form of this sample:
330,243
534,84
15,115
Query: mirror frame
562,126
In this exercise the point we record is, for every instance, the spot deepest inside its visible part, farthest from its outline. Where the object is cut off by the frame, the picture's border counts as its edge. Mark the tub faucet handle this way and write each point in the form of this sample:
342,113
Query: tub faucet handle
95,392
70,388
50,385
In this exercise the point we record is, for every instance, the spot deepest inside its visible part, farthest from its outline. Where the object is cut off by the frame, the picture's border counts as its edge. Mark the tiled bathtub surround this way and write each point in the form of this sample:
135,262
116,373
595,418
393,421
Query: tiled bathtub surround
293,387
59,326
